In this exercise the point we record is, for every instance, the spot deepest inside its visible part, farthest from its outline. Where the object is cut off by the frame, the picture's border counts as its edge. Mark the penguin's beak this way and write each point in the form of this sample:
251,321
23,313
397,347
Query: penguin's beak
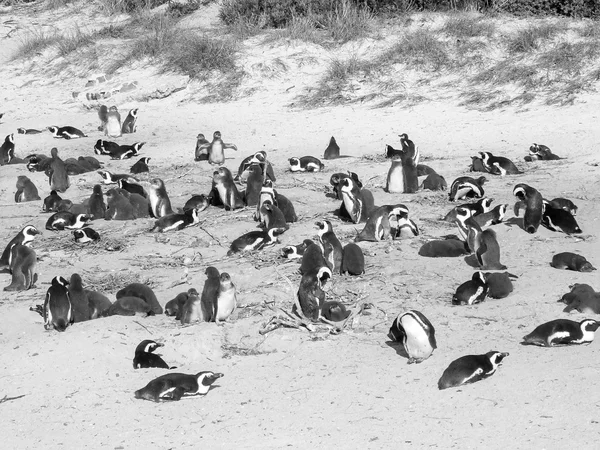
319,224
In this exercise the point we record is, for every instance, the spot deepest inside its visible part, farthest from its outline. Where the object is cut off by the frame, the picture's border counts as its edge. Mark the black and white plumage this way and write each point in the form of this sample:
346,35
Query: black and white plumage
306,164
23,237
66,220
141,166
174,386
110,178
470,369
254,240
416,333
85,235
175,222
558,219
562,332
467,187
66,132
498,165
471,292
146,358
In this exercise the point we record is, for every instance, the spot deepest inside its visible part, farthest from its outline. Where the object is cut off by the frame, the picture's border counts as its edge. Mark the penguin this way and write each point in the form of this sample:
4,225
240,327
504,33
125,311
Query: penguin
564,203
85,235
498,164
467,187
132,188
24,237
562,332
7,149
558,219
28,131
118,206
313,258
492,217
89,162
434,182
534,206
402,222
416,333
226,299
254,240
176,222
216,154
468,229
112,127
160,205
103,147
310,292
402,176
66,132
499,285
273,217
357,203
58,312
326,235
22,265
103,116
73,167
571,261
227,191
254,183
141,206
129,306
477,165
582,298
141,166
80,304
447,248
175,306
336,182
488,251
112,178
296,251
58,177
334,311
145,358
378,226
192,311
481,206
210,294
51,202
38,163
541,152
471,368
259,158
201,151
26,190
174,386
96,205
144,292
66,220
199,202
99,303
126,151
353,260
471,292
268,193
130,122
332,151
306,164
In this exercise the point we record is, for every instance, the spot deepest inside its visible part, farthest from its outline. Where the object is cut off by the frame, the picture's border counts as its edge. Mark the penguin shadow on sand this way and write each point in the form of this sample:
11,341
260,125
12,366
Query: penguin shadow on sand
398,347
514,221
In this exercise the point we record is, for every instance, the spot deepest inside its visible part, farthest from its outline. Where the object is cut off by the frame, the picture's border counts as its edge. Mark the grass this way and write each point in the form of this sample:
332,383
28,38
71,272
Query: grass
466,26
419,49
73,40
531,37
34,43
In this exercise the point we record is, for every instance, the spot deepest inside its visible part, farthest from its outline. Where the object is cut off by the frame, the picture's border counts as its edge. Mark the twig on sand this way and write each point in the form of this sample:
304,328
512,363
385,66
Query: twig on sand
143,326
481,318
212,237
179,176
8,399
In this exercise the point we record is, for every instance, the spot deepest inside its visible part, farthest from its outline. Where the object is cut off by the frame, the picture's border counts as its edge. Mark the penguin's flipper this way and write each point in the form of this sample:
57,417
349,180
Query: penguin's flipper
480,252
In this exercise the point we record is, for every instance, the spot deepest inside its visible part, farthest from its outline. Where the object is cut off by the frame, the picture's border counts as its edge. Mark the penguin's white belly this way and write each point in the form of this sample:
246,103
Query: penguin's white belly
395,181
227,304
216,154
113,127
153,199
417,343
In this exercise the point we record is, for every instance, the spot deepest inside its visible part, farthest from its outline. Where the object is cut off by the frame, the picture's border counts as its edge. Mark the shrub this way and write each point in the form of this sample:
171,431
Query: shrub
197,55
419,49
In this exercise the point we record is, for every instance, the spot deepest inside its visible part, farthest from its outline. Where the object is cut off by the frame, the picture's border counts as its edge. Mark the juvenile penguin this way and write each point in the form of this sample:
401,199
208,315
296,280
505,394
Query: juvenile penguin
226,299
499,284
26,190
58,177
112,128
176,222
488,251
310,293
141,166
175,306
85,235
534,206
334,311
58,313
558,219
160,205
22,265
144,292
215,149
562,332
145,357
332,151
201,151
24,237
273,217
254,240
327,236
51,202
446,248
467,187
227,191
191,311
96,205
306,164
470,368
210,294
173,386
571,261
471,292
103,116
28,131
416,333
80,304
353,260
254,182
434,182
118,206
130,122
67,132
66,220
582,298
129,306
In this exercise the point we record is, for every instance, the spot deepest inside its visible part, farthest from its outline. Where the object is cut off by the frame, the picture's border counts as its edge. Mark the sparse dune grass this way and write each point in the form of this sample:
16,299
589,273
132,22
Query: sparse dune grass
419,49
465,26
34,42
532,36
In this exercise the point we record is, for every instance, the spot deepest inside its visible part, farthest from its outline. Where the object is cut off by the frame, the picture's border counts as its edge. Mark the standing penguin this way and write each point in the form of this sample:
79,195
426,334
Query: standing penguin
23,237
130,122
226,299
22,265
416,333
96,205
254,182
58,177
273,217
58,313
402,176
210,294
357,203
26,190
488,251
333,150
327,236
215,149
353,260
201,152
534,206
310,293
160,205
562,332
191,311
7,149
113,123
470,368
80,303
226,190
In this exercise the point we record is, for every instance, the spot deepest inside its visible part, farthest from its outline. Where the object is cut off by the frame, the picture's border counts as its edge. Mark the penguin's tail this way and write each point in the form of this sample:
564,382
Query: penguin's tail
172,367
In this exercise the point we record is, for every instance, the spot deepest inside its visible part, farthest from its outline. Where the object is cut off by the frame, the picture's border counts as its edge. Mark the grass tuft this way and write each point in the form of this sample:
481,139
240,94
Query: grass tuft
530,38
35,42
73,40
465,26
419,49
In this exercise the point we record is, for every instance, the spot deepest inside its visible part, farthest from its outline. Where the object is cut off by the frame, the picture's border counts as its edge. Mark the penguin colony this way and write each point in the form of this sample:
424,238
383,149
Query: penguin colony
322,256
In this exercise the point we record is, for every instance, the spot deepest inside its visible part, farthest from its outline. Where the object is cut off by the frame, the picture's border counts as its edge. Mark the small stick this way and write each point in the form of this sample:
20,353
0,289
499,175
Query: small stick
8,399
135,321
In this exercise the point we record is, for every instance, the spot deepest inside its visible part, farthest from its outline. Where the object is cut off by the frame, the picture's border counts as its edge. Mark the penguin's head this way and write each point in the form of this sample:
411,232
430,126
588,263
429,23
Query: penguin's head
21,130
29,233
399,211
192,291
76,282
486,204
133,113
479,277
211,272
324,227
137,147
502,211
463,213
290,252
520,191
207,378
397,332
201,137
403,137
217,135
259,157
496,357
323,275
347,184
59,281
589,325
157,183
53,130
335,179
54,152
225,279
148,346
79,235
294,162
